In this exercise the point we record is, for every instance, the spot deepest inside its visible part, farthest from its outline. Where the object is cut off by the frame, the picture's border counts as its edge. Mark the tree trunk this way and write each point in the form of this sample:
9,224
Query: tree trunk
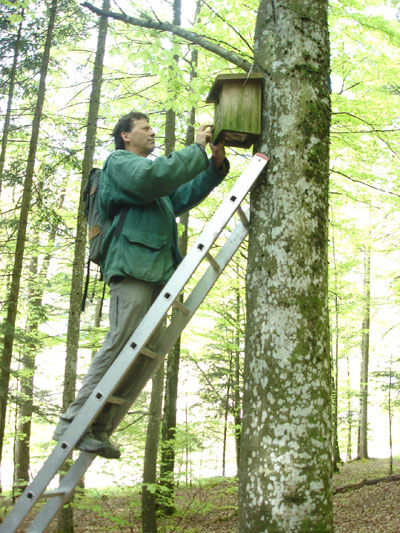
390,413
286,467
335,377
168,429
349,448
7,117
237,405
226,414
24,415
13,296
65,523
363,427
149,519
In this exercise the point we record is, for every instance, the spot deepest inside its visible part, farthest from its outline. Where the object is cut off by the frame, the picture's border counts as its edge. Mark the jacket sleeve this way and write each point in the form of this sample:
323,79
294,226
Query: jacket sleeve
192,193
129,179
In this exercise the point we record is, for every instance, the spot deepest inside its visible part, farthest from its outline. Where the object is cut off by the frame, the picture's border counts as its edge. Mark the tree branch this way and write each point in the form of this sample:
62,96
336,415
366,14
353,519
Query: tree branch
229,25
366,482
333,170
181,32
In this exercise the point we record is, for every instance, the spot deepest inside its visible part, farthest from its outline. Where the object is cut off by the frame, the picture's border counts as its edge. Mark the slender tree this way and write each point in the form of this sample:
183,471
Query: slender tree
335,364
364,371
65,522
7,118
13,296
35,316
149,518
168,428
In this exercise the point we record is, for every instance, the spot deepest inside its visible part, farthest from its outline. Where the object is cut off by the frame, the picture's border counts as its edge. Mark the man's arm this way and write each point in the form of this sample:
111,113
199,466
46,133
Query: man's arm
192,193
129,179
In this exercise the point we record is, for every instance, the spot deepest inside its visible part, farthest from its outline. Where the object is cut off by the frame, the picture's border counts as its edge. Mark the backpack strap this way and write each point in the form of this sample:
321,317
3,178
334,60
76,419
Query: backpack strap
120,223
116,234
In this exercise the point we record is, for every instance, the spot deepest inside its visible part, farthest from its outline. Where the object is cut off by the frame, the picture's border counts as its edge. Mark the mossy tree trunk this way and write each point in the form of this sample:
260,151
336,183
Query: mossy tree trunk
286,450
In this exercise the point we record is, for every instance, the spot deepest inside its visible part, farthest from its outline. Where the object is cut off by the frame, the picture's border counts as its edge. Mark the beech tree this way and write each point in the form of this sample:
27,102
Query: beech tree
286,403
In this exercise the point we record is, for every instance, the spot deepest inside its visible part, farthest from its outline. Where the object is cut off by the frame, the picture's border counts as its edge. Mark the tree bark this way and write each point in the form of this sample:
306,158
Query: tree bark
286,467
363,426
13,296
7,117
149,519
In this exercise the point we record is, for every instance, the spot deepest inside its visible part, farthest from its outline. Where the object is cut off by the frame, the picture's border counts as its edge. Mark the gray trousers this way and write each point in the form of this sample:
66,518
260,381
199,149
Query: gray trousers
130,299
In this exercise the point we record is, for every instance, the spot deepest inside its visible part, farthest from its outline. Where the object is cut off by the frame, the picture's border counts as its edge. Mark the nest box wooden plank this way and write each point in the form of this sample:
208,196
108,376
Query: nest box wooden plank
237,108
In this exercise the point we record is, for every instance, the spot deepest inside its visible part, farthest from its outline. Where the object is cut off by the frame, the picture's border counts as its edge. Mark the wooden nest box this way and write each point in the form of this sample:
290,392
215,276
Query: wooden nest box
237,111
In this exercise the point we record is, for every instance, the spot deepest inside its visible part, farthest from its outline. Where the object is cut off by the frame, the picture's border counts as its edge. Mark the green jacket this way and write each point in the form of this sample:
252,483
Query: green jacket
154,192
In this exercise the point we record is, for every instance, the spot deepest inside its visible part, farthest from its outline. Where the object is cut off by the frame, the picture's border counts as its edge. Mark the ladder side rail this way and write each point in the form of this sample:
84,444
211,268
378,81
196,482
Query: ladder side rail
68,484
33,493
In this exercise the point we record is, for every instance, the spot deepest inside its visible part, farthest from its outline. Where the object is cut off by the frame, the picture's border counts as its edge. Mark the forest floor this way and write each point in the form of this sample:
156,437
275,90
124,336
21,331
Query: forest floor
212,506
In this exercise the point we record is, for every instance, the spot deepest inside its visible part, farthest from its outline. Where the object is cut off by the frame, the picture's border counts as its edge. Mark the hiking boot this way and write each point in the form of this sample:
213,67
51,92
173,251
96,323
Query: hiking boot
99,444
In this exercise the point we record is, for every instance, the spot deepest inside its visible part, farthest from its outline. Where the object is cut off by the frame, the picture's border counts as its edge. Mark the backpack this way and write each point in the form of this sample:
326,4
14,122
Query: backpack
97,226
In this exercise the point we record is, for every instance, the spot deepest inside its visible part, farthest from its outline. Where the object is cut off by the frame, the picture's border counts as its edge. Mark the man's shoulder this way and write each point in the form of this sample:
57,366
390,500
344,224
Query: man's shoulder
121,154
120,157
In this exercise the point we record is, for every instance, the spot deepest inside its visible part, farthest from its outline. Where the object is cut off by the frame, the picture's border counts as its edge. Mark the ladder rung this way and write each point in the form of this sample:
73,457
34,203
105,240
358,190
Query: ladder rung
149,353
243,216
53,493
212,261
116,400
177,303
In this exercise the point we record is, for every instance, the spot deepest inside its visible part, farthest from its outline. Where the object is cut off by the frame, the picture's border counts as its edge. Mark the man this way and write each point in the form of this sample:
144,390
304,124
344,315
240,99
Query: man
149,194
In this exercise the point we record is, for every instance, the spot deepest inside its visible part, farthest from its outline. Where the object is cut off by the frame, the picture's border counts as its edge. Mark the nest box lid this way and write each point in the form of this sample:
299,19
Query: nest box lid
223,78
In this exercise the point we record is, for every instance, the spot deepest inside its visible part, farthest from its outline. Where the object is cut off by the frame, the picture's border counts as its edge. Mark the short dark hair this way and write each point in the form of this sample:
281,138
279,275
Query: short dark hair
126,123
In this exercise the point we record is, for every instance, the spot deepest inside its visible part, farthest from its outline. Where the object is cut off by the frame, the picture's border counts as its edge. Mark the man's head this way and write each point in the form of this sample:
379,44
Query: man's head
134,133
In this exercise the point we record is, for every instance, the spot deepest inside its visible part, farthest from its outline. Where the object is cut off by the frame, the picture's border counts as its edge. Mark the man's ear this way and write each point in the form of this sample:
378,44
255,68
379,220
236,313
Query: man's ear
124,136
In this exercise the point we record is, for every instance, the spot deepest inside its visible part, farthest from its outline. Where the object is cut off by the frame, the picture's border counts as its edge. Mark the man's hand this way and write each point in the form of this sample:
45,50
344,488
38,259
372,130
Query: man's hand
218,153
204,135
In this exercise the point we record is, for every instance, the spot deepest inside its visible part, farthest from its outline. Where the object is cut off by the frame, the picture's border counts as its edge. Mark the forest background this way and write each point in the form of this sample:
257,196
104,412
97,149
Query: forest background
159,74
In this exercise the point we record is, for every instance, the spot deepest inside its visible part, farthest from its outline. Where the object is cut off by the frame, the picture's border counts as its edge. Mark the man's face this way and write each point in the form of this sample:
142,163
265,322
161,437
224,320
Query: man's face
140,140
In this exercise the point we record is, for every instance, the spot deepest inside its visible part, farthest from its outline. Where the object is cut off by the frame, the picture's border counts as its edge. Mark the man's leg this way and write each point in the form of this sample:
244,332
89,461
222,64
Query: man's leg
130,300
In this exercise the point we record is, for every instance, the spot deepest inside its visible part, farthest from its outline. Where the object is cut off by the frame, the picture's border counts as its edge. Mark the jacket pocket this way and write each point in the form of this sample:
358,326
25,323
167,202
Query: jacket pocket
145,238
145,255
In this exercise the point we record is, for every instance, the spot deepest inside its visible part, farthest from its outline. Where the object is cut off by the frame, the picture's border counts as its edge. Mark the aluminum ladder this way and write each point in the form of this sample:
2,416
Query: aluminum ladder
136,355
